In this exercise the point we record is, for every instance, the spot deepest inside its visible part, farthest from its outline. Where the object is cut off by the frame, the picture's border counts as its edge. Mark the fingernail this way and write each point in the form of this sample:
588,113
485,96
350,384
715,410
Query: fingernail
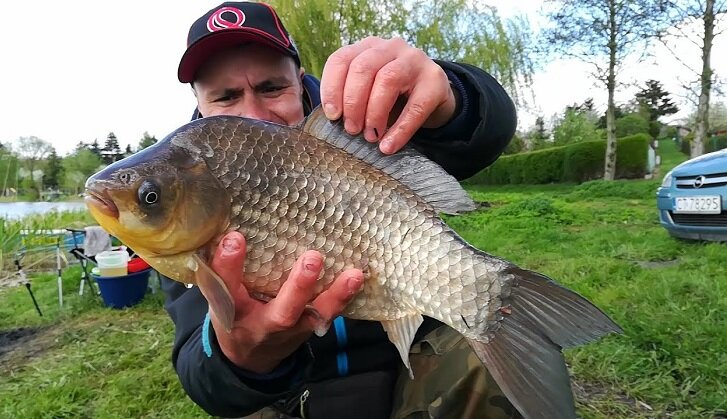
351,127
354,284
311,265
330,111
387,146
371,135
230,245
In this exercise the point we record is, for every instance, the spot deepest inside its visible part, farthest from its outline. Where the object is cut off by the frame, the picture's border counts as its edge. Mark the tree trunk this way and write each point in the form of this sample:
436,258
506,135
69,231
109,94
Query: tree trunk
609,172
701,129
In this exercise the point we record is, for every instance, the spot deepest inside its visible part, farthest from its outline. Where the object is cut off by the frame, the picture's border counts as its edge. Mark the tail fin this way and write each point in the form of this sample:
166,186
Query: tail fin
524,353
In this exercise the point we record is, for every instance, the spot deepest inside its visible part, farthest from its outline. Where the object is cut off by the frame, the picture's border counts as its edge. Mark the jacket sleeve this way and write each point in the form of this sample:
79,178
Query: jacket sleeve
483,125
207,376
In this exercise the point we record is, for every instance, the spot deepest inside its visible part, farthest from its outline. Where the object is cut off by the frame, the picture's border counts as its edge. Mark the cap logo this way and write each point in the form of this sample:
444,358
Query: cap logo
219,19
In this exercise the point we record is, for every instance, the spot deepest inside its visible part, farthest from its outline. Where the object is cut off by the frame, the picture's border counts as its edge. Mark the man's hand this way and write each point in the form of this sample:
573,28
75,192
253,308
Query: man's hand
264,334
363,82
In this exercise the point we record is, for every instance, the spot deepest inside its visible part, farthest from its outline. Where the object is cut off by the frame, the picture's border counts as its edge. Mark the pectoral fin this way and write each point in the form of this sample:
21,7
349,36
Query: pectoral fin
401,333
215,291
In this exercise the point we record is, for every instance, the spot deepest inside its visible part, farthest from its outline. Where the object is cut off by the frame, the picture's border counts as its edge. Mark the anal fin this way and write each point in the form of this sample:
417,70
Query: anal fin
215,291
401,333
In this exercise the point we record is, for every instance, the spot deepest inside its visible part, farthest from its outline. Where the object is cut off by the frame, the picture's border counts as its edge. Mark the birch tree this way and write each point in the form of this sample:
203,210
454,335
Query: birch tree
708,14
604,33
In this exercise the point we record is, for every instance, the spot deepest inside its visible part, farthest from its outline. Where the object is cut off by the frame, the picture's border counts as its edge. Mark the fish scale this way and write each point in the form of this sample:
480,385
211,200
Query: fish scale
313,186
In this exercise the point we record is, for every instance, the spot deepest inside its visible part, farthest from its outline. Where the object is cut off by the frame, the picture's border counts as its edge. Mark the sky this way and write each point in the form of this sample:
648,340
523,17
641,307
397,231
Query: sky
74,70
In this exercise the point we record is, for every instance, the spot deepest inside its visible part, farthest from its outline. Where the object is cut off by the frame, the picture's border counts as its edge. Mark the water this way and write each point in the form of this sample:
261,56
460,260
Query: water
17,210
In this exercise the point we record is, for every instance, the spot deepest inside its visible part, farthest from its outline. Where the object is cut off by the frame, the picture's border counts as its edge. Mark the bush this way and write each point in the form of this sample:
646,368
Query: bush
712,143
573,163
584,161
632,154
631,124
718,142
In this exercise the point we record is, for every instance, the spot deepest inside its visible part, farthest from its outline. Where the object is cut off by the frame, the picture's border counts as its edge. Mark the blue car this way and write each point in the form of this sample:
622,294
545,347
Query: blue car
692,199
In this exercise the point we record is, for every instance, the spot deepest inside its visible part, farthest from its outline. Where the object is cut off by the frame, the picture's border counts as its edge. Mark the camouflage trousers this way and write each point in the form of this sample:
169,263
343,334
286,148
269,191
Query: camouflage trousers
449,382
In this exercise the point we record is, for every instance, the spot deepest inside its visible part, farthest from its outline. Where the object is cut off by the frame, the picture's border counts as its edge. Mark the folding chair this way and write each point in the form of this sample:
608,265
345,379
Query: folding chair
85,252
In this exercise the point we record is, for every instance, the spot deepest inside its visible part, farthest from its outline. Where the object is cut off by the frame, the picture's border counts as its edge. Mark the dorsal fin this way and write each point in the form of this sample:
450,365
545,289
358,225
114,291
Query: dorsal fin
426,178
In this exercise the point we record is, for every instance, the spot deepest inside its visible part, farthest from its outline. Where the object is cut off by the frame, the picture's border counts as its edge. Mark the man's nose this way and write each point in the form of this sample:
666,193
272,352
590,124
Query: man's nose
253,108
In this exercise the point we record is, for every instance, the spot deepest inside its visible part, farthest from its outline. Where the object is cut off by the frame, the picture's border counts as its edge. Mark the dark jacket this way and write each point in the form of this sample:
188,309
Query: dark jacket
485,122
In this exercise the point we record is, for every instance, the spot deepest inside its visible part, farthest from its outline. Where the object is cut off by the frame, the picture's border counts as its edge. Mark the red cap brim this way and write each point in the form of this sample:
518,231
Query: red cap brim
215,42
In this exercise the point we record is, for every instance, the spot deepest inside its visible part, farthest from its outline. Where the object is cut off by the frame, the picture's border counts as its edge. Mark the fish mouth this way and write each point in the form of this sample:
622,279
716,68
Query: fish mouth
102,201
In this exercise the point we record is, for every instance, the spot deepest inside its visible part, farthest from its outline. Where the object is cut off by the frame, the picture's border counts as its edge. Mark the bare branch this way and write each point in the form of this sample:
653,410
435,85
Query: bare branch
676,56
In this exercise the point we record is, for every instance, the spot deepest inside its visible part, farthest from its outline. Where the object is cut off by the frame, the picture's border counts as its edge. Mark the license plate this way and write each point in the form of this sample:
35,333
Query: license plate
698,205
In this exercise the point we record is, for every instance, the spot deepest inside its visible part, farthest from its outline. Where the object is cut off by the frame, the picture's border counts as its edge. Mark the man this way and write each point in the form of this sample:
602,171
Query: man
240,60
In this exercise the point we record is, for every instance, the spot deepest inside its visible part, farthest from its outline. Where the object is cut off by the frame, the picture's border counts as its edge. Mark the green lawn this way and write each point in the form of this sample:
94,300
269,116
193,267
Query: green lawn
601,239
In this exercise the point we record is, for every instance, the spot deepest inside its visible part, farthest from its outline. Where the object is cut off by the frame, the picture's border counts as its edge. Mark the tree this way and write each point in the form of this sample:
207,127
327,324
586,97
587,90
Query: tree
95,148
717,118
111,151
538,136
128,151
603,33
32,150
53,171
573,128
8,171
146,141
631,124
78,166
655,102
618,112
709,12
458,30
516,145
467,31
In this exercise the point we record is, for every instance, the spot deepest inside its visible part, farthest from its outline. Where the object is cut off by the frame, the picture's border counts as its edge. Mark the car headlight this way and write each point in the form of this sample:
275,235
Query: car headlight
667,180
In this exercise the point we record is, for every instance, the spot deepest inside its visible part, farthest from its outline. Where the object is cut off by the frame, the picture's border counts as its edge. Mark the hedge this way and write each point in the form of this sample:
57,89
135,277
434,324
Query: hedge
577,162
712,143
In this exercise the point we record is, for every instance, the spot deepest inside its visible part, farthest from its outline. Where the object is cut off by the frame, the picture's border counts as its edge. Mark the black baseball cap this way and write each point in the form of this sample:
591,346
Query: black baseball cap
229,24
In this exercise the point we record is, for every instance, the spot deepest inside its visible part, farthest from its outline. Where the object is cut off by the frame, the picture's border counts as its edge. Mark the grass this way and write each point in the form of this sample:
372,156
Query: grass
87,360
601,239
12,241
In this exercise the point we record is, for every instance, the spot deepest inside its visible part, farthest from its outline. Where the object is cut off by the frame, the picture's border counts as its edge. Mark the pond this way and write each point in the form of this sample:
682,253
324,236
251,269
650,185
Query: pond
16,210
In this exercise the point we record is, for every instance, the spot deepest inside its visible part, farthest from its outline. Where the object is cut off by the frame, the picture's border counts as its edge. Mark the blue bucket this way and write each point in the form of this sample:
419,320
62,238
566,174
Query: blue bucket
123,291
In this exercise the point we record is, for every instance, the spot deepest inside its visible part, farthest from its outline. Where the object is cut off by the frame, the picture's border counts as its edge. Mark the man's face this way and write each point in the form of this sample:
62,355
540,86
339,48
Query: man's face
251,81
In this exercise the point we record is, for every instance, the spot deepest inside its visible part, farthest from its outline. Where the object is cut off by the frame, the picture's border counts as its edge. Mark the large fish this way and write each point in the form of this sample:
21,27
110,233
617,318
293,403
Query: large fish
313,186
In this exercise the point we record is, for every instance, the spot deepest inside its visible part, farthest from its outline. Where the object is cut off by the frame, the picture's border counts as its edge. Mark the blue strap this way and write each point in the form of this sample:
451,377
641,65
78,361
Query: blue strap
206,346
342,357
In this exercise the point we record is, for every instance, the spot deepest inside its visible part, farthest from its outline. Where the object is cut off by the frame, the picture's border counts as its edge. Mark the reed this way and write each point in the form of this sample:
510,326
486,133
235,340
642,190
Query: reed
31,236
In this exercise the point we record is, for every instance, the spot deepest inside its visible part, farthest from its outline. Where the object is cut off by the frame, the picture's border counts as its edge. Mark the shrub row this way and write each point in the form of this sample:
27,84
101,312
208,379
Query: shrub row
577,162
713,143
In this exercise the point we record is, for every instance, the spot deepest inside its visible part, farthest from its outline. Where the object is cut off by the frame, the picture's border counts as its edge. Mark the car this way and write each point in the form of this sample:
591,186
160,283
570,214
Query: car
692,198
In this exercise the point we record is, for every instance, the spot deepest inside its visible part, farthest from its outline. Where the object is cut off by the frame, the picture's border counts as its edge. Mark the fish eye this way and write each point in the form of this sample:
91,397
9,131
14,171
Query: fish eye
149,193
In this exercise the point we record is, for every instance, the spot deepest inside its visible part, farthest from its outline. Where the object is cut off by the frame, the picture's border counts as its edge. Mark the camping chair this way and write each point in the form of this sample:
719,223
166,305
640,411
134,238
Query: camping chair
87,243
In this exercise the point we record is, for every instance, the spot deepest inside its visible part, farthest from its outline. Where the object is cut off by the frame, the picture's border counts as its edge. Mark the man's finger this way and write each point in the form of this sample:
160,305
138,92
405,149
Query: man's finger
332,301
389,84
333,77
284,311
419,106
361,75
